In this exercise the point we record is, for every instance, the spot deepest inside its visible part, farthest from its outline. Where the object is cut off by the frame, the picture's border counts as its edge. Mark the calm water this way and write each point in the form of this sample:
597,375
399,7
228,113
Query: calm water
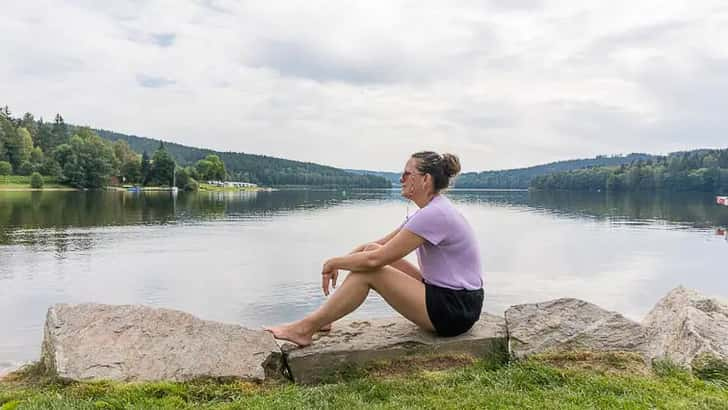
255,258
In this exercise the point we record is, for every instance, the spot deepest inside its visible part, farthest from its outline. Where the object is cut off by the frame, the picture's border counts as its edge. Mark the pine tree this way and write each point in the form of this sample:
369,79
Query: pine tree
146,168
59,133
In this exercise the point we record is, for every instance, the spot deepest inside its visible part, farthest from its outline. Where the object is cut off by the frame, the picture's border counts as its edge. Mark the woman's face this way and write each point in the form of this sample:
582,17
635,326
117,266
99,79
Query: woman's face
411,179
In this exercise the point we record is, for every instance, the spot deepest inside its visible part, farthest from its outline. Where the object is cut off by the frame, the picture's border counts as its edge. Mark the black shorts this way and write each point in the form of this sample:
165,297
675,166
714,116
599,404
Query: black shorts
453,312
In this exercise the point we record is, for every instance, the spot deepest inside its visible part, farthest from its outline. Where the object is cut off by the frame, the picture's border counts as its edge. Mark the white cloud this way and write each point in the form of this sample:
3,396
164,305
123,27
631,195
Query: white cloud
362,85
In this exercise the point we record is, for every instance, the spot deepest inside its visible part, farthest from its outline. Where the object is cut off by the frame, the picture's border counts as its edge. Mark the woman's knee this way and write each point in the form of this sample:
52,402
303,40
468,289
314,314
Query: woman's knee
368,276
357,276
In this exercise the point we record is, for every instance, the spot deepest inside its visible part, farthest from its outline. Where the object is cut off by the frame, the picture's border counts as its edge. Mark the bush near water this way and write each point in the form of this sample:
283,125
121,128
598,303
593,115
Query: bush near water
36,180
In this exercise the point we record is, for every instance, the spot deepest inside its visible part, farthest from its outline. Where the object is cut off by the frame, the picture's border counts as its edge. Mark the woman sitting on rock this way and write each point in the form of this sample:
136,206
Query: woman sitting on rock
444,295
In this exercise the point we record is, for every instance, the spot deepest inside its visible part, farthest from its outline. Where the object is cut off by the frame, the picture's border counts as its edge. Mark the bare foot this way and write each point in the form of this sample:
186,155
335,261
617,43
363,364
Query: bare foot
325,328
291,332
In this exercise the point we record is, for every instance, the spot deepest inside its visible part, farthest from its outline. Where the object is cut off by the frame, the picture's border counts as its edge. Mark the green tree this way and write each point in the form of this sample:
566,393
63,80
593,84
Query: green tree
192,172
36,180
3,156
50,167
203,168
710,161
59,133
86,161
26,168
146,168
5,168
162,172
29,123
212,168
44,138
131,171
18,147
128,161
185,181
123,152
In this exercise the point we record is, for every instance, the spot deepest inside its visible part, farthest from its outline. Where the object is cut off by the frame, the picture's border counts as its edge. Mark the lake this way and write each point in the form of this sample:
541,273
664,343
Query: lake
255,258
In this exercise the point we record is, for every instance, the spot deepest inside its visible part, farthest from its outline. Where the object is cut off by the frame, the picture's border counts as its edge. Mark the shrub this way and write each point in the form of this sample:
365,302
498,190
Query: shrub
191,185
5,168
36,180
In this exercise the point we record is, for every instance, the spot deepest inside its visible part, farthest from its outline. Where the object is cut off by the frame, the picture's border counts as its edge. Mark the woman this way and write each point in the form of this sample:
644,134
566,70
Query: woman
444,295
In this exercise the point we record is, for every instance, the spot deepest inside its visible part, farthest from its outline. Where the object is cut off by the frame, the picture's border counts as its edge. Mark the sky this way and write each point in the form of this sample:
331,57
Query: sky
352,84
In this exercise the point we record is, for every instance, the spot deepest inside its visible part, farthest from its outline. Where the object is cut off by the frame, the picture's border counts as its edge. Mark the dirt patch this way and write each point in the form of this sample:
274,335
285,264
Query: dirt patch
601,362
31,374
417,364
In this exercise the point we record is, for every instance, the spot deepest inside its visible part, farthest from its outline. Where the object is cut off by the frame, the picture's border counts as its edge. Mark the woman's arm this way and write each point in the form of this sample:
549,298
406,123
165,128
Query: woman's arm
382,241
401,243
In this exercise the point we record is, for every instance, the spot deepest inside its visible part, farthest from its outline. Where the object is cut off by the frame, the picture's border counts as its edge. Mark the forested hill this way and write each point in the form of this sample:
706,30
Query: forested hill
521,177
392,177
699,170
259,169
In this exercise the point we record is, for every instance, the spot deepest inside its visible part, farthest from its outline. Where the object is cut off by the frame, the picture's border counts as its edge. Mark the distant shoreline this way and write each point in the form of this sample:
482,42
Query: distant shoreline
22,189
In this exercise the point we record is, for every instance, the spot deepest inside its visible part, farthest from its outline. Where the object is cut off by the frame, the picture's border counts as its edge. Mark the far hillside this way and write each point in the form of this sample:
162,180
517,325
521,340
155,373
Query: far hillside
258,169
521,177
703,170
392,177
81,157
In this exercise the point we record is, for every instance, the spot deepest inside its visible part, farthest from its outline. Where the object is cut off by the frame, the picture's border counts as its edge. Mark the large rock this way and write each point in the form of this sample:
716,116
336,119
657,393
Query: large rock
565,325
357,342
685,324
131,342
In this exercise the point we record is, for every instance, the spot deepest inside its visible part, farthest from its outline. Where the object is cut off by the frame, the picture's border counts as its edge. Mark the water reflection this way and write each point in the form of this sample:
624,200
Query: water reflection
255,258
47,219
694,210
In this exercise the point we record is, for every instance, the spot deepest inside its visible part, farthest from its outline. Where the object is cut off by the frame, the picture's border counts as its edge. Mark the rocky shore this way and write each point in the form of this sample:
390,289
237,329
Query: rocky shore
139,343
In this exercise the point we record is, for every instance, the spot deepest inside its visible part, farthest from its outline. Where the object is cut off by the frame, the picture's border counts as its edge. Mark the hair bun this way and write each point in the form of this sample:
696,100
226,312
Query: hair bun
450,164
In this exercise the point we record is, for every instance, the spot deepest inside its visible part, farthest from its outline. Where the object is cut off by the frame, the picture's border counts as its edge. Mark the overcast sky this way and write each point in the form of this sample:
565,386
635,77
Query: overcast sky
502,83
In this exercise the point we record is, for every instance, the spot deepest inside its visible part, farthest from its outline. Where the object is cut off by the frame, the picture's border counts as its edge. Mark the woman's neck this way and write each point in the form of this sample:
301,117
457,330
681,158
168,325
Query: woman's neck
423,201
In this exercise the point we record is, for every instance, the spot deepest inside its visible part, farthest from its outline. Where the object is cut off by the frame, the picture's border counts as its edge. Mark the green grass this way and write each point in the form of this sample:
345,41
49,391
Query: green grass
213,188
22,181
530,384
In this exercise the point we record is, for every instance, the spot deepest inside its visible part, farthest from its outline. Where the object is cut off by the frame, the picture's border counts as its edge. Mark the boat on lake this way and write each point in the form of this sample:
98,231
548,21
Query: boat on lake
721,200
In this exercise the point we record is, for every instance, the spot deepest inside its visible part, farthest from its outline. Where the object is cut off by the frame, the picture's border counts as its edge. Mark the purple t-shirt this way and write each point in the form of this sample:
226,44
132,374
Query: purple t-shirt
449,258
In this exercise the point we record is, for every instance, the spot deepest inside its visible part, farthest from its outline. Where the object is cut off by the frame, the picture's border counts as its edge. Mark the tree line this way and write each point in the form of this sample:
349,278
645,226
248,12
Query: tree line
521,177
259,169
698,170
87,158
79,157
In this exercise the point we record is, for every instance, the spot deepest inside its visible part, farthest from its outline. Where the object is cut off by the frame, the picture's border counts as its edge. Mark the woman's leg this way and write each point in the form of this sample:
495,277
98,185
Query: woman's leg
402,265
401,291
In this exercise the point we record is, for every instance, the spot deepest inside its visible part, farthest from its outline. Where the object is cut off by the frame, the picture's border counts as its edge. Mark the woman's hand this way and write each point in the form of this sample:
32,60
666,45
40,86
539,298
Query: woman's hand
329,274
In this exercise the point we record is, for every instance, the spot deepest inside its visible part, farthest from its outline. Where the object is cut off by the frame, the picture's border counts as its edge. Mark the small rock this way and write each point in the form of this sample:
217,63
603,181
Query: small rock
685,324
132,342
564,325
357,342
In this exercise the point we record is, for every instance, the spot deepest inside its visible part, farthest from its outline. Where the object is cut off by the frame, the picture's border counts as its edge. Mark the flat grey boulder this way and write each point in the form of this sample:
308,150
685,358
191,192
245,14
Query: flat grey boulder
135,343
357,342
685,324
564,325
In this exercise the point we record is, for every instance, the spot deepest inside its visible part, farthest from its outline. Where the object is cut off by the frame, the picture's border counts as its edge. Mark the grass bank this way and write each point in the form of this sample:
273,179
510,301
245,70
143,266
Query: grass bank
214,188
537,384
22,183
